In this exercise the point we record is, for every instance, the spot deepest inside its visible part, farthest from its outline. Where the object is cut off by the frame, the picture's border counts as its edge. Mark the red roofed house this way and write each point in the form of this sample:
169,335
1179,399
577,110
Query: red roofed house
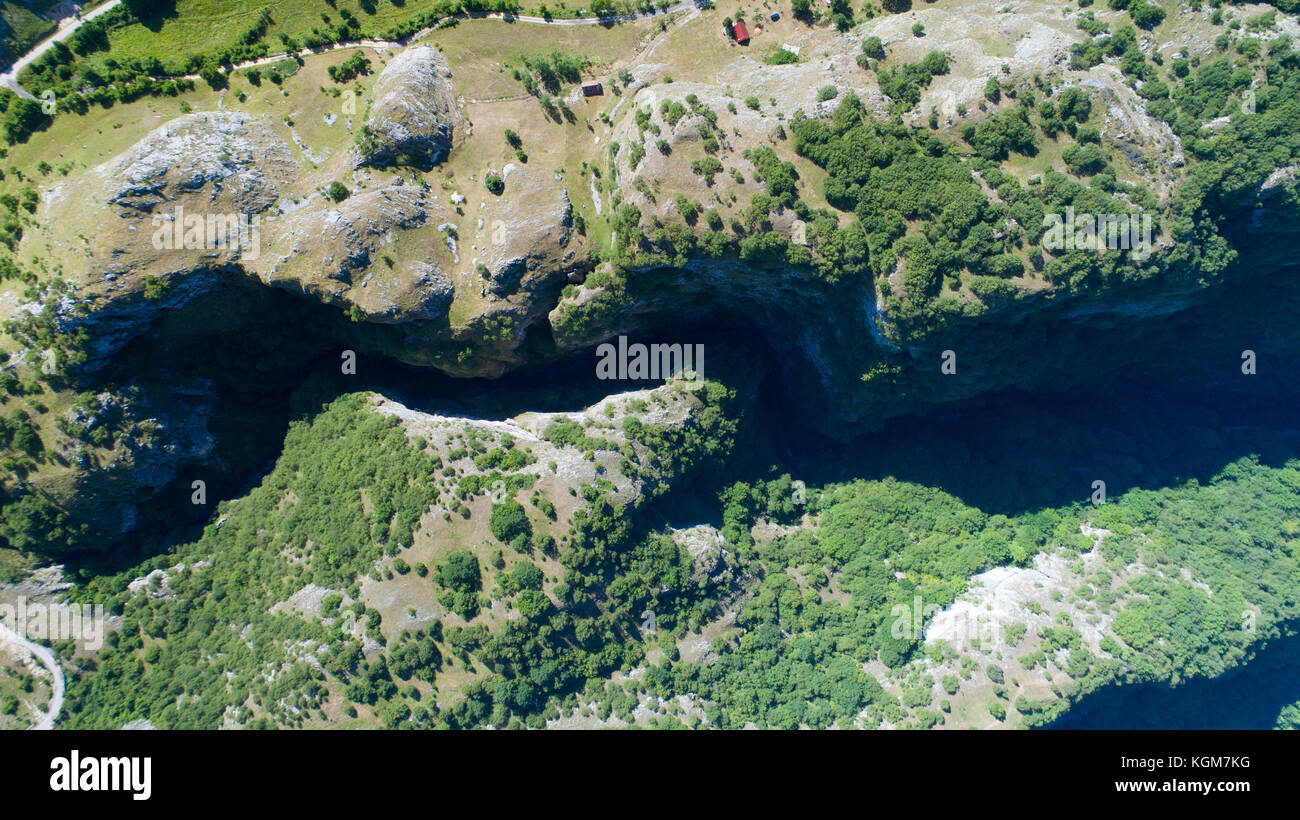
740,32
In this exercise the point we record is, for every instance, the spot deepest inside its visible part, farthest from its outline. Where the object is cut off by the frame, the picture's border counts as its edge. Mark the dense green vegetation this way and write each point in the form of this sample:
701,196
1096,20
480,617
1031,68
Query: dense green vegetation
824,603
905,83
823,597
259,554
100,64
21,27
349,490
941,249
208,638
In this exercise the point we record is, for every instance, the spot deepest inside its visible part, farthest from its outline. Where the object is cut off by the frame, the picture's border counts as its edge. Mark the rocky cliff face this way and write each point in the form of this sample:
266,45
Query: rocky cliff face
471,313
439,271
504,285
177,207
414,113
332,251
235,157
150,435
204,200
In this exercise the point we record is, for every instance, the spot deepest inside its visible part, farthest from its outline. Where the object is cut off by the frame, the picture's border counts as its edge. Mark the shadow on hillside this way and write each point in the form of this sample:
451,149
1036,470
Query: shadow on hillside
1016,452
1181,409
1251,696
152,13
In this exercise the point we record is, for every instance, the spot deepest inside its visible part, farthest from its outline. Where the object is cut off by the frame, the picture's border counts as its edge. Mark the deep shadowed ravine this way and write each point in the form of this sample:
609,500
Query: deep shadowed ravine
1175,409
1248,697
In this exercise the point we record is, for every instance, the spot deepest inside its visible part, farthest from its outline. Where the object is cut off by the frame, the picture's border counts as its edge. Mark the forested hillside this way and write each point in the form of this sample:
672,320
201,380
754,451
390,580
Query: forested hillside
309,311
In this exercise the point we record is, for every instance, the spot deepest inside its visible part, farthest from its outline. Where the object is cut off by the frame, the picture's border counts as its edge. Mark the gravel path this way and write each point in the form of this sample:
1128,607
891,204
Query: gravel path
10,78
46,657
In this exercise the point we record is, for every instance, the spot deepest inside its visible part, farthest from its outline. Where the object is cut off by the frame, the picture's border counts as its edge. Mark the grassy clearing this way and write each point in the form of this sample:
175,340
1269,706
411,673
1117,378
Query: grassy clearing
24,25
481,52
201,26
196,28
318,119
21,693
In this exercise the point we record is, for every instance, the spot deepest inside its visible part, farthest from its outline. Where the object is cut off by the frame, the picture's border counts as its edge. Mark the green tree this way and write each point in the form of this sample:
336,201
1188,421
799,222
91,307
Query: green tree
22,119
460,572
993,90
509,521
337,191
1146,15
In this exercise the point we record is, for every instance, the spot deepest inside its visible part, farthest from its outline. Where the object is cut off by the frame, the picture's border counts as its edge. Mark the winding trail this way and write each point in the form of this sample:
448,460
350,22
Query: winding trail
46,657
9,79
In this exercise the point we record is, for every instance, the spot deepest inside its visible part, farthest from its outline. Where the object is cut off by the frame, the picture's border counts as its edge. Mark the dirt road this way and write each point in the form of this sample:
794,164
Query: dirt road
46,657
